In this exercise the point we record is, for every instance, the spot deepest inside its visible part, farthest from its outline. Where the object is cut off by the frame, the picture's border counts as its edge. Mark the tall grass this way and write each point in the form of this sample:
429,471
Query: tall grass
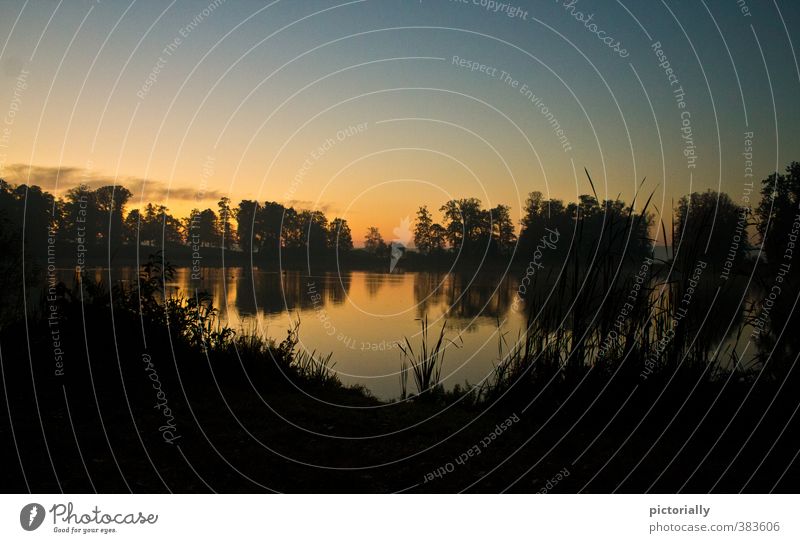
316,368
426,362
309,366
585,319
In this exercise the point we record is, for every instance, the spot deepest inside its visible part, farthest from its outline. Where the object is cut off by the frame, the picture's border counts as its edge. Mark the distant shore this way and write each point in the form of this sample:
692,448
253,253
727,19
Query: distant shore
66,257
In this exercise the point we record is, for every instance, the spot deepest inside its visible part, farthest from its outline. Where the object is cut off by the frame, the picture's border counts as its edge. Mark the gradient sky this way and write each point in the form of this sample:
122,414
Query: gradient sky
244,103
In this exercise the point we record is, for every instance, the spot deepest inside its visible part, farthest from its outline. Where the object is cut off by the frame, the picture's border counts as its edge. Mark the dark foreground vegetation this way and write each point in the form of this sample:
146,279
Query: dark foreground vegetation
157,396
621,381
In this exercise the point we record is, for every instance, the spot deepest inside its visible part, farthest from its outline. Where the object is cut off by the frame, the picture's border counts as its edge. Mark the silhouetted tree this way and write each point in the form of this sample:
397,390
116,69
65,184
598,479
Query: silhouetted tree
225,227
111,201
468,226
778,217
132,224
37,209
203,228
778,209
340,237
422,230
171,228
291,229
314,231
502,227
271,222
709,226
438,238
82,217
245,215
157,227
596,230
373,241
38,206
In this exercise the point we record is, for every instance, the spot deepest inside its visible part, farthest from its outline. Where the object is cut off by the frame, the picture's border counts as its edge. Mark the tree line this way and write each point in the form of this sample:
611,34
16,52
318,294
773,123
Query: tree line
707,222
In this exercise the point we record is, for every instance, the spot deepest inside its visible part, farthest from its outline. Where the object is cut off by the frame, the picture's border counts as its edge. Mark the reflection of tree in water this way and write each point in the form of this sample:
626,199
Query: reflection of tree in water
222,284
373,282
337,286
428,292
245,298
289,290
579,316
295,291
708,326
462,296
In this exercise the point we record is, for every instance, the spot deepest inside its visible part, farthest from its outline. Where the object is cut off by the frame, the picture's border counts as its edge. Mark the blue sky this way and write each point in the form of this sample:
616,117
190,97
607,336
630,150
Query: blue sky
257,90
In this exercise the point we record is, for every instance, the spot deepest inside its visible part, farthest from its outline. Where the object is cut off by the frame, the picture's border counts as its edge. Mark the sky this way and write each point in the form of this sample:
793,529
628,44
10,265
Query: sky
368,109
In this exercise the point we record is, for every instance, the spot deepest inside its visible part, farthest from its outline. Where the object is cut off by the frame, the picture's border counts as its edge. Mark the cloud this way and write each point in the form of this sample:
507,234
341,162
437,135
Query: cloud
61,179
308,204
58,180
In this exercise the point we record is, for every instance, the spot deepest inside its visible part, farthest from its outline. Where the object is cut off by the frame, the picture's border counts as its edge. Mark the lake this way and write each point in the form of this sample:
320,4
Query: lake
361,317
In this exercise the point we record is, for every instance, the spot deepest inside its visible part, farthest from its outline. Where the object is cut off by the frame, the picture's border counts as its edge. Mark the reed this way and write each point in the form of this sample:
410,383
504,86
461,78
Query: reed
315,368
426,362
604,312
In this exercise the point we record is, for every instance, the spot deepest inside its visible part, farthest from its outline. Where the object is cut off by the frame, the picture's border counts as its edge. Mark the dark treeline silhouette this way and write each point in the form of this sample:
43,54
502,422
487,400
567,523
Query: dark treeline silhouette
265,230
99,221
103,223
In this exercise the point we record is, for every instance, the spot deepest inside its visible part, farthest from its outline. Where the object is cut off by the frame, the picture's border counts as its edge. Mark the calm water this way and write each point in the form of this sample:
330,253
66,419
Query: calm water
361,317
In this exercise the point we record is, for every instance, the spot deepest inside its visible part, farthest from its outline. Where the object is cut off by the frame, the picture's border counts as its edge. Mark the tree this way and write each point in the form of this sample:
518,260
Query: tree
777,225
587,206
12,305
272,222
290,229
503,237
438,238
468,226
600,230
171,228
226,231
540,211
340,237
532,211
780,201
204,228
82,216
37,206
710,226
422,230
133,222
111,201
246,233
314,230
148,225
454,224
373,241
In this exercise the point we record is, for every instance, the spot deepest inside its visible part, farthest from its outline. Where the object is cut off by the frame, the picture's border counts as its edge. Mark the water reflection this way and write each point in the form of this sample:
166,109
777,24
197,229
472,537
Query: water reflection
362,316
464,297
373,283
276,292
